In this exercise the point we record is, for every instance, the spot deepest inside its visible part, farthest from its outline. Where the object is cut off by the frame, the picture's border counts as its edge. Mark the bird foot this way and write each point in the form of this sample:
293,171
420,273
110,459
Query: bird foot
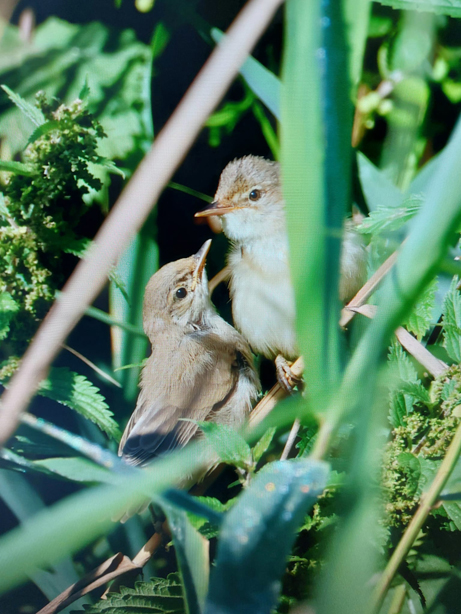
285,376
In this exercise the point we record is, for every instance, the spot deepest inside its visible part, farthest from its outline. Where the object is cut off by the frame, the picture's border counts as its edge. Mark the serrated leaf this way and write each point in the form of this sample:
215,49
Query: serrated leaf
401,365
32,112
3,208
402,372
8,307
78,393
421,316
389,218
160,595
453,510
417,391
451,321
263,444
229,445
440,7
18,168
76,469
43,129
246,576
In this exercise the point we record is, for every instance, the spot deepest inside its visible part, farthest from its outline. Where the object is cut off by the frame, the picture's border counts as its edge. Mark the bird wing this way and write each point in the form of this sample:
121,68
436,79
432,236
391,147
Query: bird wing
205,383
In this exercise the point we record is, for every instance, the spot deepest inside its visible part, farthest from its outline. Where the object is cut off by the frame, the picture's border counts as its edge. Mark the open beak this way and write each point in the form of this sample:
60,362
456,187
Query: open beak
200,257
215,208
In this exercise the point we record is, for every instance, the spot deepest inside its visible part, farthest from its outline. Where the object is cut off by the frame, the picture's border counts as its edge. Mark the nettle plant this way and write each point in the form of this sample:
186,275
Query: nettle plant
42,205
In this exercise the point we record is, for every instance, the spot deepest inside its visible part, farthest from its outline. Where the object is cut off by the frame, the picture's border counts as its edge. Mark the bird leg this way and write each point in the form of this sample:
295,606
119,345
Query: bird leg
285,376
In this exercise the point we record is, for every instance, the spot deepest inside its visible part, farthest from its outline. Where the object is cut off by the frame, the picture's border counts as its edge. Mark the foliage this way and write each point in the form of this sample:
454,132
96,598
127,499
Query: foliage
374,434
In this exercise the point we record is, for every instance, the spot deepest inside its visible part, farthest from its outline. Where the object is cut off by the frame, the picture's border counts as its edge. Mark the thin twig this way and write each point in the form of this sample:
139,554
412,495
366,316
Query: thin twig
135,203
88,362
291,439
432,364
417,522
368,289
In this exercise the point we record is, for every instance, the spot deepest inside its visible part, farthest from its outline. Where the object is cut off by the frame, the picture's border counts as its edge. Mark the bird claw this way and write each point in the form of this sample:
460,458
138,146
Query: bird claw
285,376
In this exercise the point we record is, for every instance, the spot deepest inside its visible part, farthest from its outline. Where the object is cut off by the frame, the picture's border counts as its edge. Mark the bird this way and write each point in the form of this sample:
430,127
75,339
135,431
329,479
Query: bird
200,367
250,203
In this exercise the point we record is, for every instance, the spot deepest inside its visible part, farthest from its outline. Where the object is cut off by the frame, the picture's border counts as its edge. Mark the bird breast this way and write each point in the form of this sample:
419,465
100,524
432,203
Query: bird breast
263,305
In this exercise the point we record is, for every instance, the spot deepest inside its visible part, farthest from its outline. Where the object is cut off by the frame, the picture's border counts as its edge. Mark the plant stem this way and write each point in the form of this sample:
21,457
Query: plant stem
427,501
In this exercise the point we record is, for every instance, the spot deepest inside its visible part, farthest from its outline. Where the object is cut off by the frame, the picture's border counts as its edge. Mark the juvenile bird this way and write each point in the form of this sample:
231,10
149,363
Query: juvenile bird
249,198
200,368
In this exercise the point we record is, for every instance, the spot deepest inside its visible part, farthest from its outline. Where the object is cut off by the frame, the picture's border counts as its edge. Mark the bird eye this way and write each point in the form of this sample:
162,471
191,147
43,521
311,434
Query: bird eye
181,293
255,195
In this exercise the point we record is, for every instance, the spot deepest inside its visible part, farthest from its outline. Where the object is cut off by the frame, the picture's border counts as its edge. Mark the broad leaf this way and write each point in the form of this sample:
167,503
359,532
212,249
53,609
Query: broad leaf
159,596
246,578
78,393
18,168
262,445
229,445
29,110
388,219
452,321
421,316
378,189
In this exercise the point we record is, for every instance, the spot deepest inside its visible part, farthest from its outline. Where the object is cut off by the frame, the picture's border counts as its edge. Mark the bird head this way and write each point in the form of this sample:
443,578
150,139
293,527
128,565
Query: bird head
178,294
249,199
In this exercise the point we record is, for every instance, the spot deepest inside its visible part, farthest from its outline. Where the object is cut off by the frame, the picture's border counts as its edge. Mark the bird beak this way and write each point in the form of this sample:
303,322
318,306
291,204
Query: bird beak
200,257
215,208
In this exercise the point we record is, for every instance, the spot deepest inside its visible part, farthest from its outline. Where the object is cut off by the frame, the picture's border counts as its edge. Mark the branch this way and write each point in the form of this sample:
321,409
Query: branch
134,204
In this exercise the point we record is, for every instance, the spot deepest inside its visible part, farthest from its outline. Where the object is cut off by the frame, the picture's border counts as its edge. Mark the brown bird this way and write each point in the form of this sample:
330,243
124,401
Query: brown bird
200,368
250,202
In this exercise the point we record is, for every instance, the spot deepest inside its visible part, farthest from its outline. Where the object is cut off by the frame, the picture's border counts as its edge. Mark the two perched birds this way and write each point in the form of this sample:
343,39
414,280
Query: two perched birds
201,368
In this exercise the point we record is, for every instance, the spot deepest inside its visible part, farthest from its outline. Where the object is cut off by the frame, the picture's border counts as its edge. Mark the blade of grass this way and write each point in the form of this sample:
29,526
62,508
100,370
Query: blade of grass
134,204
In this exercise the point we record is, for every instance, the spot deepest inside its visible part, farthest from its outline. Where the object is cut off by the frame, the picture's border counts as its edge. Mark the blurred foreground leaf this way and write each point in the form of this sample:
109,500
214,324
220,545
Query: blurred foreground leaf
257,535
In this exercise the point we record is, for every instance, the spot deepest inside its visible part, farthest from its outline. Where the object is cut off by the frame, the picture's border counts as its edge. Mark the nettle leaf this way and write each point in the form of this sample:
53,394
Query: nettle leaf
229,445
388,219
160,595
417,391
262,445
78,393
8,307
29,110
420,318
451,321
78,247
440,7
402,374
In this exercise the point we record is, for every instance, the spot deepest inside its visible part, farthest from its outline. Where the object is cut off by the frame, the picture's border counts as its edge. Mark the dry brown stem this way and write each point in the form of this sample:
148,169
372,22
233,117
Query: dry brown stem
134,204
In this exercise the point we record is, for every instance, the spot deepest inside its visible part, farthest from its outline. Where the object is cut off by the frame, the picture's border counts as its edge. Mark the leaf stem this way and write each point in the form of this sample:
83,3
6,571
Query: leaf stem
427,501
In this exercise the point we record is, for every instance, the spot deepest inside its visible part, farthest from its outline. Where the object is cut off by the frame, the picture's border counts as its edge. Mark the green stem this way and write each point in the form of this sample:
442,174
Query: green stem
190,191
102,316
418,520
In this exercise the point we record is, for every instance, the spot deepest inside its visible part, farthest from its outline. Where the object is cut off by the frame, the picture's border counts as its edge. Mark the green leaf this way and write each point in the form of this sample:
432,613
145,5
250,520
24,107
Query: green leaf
229,445
378,189
29,110
192,554
453,510
78,393
248,568
261,81
440,7
417,391
78,247
159,596
402,373
49,126
421,316
388,219
452,321
76,469
262,445
18,168
412,470
8,307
